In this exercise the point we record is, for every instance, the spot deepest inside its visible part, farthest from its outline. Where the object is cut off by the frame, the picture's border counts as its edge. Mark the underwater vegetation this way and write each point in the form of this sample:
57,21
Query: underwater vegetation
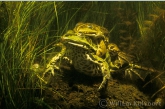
30,30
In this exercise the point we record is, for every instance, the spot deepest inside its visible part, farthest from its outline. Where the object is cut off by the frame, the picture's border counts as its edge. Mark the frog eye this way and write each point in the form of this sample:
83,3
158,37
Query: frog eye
111,47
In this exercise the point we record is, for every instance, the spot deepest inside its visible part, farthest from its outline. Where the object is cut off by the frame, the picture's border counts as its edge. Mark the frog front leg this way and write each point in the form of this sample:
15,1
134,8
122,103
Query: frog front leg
104,66
53,62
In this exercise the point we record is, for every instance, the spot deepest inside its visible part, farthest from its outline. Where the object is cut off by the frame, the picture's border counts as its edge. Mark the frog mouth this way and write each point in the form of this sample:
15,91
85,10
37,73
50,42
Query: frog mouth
79,45
83,46
79,42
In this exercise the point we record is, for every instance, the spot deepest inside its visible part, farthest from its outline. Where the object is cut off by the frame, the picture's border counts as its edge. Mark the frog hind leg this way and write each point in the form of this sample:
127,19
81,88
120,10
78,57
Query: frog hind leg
106,75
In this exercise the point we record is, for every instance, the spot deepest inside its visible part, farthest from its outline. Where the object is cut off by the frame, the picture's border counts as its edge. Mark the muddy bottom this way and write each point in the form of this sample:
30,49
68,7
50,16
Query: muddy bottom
72,90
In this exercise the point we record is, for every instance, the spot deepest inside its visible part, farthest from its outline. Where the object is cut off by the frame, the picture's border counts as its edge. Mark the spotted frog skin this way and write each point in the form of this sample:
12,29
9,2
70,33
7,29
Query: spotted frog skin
81,54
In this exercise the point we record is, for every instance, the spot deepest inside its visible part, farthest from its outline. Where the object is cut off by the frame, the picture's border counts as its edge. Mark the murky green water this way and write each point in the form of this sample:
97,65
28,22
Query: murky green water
29,31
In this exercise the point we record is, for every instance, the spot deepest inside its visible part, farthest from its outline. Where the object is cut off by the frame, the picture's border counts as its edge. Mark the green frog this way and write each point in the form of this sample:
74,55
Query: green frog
81,54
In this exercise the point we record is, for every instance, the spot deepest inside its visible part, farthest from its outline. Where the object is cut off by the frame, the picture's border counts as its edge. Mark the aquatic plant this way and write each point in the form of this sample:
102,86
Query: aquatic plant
24,41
